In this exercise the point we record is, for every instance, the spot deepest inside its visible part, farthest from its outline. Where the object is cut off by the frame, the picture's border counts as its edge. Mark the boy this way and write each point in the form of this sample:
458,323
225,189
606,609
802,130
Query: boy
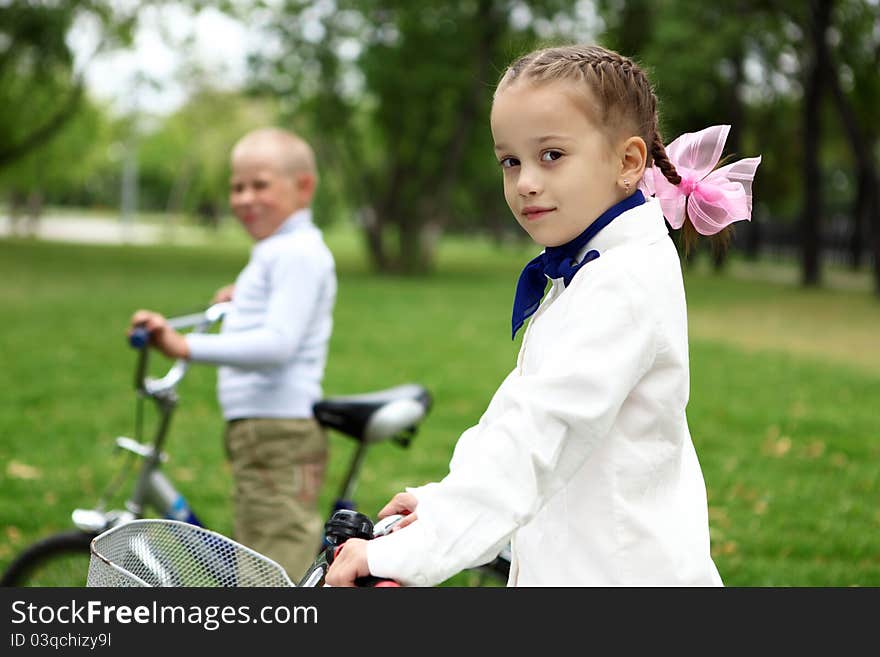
272,349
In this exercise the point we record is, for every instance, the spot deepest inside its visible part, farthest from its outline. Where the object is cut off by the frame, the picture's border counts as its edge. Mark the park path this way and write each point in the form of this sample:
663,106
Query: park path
92,230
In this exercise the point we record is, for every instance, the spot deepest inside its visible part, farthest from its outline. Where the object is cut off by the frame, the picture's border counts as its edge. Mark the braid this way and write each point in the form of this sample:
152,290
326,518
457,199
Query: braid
661,160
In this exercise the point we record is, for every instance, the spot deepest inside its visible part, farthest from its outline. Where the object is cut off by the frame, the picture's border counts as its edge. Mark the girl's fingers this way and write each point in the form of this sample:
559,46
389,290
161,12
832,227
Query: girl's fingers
408,520
403,503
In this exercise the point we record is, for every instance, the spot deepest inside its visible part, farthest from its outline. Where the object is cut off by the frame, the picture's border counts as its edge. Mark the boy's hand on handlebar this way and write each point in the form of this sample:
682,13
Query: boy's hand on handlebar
162,336
349,564
224,294
404,504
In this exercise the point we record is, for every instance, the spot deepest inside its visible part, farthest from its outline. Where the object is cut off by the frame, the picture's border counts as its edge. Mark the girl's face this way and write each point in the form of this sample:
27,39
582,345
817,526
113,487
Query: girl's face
560,172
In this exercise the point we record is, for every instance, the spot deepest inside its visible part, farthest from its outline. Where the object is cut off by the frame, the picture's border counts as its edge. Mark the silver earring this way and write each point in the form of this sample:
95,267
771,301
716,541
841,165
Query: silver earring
626,185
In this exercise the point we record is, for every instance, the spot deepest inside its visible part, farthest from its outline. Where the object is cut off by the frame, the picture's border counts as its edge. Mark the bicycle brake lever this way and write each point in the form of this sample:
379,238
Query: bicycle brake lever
386,525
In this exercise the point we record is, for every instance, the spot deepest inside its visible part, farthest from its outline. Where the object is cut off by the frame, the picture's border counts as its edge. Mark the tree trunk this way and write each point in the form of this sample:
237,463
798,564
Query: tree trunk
490,22
872,210
17,201
371,224
411,260
753,238
861,143
34,212
860,219
820,12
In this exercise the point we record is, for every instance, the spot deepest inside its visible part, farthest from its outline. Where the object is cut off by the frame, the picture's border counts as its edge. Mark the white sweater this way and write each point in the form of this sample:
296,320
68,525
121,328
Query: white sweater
273,344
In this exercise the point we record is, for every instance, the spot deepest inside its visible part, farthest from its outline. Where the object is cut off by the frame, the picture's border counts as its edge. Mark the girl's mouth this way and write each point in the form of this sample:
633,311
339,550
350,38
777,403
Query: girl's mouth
533,213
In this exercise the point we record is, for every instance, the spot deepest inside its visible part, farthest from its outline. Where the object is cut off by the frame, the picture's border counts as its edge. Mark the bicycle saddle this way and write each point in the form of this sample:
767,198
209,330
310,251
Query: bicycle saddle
376,416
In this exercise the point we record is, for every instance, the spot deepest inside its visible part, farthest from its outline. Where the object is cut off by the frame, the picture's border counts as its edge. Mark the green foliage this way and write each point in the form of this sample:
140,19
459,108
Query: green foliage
782,410
184,164
395,98
85,139
39,89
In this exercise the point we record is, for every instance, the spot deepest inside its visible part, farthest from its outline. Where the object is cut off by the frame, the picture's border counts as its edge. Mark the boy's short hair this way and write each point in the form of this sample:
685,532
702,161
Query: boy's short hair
291,151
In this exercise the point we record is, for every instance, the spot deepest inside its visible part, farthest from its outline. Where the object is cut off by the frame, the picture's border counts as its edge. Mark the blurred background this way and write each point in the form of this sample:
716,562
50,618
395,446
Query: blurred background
146,98
116,119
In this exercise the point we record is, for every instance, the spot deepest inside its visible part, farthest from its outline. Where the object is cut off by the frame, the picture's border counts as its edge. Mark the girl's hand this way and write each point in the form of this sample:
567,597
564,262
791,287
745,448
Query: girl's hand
404,504
349,564
163,337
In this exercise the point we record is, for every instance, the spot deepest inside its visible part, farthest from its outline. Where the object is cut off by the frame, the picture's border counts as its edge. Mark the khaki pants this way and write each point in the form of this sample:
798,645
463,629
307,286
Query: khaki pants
278,467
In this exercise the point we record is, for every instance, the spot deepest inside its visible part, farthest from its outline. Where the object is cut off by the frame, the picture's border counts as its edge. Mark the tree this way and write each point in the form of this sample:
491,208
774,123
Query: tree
37,67
184,161
46,173
815,83
702,81
855,90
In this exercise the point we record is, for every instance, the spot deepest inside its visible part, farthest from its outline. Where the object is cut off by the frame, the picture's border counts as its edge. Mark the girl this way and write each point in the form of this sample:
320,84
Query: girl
583,459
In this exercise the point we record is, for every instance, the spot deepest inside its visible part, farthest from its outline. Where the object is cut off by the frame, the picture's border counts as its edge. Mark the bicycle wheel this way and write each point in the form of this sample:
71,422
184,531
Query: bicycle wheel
58,560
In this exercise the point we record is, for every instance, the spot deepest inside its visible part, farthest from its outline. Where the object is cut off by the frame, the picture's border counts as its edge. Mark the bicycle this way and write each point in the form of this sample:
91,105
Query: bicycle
371,418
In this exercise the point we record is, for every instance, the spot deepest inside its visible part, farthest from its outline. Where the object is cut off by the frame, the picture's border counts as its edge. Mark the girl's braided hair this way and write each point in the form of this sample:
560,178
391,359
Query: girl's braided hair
621,97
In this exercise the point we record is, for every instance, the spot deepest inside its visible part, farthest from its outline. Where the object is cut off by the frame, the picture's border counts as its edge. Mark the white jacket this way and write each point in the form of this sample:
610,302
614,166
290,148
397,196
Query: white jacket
583,459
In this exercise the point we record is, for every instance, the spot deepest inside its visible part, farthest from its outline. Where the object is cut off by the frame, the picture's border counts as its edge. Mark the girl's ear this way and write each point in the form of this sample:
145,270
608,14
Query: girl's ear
634,154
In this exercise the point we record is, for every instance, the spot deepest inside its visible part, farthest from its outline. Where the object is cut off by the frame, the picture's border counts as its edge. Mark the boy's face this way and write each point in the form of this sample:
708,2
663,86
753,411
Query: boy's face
262,195
560,172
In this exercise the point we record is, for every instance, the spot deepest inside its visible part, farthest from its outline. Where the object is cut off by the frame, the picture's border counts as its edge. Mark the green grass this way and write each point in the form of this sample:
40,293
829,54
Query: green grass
784,395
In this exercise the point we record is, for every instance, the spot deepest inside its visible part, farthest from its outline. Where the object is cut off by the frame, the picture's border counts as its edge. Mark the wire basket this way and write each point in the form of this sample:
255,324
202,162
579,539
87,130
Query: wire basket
173,553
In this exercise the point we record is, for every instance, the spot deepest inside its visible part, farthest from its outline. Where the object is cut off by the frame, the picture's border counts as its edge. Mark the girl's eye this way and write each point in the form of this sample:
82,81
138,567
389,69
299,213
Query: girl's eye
550,156
509,162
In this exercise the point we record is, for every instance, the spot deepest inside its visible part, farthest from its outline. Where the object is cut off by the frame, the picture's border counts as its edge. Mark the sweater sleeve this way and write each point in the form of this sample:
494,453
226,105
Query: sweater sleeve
295,281
542,427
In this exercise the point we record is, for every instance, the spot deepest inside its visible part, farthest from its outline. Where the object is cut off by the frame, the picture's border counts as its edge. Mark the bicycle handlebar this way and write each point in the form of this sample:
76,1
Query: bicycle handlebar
343,525
380,528
140,339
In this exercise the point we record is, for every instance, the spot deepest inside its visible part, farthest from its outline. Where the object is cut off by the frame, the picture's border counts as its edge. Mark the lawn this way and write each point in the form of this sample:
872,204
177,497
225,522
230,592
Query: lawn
783,412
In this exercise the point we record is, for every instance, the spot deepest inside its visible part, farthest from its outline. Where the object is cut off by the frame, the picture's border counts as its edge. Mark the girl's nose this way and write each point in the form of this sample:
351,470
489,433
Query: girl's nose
529,182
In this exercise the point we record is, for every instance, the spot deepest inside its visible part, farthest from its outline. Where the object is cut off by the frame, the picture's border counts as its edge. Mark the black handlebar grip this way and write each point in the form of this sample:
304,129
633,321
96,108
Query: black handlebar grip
139,338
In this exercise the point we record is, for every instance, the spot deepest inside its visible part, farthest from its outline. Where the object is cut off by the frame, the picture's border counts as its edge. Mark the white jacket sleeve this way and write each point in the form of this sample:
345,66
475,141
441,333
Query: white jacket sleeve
539,429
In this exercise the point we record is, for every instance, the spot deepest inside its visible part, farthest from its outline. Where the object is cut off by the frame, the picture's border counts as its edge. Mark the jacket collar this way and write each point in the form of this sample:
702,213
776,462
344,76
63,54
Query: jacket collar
643,224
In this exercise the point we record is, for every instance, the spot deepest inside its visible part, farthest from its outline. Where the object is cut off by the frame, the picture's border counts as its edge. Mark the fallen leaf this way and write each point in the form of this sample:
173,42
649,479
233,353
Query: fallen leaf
781,446
815,449
18,470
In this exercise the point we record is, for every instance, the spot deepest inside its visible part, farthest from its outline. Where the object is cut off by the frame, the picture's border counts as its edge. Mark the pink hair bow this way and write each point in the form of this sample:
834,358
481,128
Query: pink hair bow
711,199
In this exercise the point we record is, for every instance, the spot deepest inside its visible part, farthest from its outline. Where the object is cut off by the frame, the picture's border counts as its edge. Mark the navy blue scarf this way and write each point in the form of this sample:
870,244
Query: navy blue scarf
558,262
